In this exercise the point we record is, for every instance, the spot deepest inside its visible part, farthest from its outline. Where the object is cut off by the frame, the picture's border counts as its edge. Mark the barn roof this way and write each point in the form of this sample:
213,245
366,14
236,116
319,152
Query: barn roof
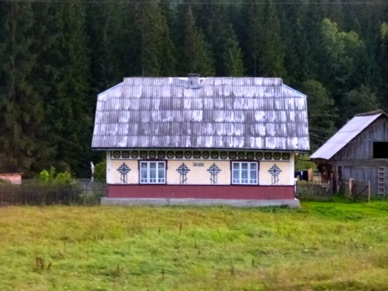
347,133
195,112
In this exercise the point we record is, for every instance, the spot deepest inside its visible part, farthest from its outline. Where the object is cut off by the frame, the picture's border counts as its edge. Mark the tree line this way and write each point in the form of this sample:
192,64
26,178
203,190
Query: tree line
56,56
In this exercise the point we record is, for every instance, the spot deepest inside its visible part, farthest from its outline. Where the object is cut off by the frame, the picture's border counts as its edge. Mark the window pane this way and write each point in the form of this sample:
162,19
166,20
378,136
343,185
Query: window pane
236,176
244,172
253,173
161,175
161,172
153,176
152,172
143,172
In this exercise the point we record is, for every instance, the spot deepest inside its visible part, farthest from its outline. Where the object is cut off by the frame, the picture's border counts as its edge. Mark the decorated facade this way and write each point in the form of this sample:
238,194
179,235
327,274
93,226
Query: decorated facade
201,140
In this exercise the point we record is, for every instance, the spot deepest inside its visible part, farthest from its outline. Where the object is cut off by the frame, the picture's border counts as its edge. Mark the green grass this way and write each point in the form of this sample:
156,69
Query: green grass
321,246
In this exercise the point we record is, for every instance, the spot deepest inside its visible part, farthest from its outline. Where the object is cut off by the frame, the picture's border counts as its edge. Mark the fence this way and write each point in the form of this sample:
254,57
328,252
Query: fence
35,193
314,191
356,190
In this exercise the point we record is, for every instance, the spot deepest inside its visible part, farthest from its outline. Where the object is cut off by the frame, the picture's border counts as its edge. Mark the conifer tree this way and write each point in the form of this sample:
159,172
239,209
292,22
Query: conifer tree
212,19
108,31
196,52
299,58
232,56
69,106
156,51
383,64
22,144
249,29
312,33
273,51
265,48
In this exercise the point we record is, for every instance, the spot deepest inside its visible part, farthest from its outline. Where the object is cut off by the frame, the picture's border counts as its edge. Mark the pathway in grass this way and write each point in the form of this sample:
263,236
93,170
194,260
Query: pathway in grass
333,246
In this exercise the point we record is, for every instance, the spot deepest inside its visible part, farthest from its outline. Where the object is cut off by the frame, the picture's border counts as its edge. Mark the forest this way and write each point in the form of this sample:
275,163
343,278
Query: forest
56,56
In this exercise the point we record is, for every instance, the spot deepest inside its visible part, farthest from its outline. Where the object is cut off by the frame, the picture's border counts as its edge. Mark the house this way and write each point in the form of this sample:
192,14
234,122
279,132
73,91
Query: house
358,151
213,140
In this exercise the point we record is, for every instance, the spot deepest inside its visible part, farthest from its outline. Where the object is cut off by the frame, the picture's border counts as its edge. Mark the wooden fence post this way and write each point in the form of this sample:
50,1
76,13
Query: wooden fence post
369,191
350,187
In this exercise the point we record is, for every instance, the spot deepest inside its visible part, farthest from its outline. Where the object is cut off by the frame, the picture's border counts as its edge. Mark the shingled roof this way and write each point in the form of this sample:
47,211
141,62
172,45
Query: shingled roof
194,112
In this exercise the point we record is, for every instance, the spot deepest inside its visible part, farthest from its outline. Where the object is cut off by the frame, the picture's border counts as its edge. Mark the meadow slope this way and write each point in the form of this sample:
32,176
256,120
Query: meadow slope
321,246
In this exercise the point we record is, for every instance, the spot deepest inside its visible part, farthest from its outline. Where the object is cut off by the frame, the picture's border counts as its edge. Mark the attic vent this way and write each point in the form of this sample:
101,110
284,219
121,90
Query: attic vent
193,82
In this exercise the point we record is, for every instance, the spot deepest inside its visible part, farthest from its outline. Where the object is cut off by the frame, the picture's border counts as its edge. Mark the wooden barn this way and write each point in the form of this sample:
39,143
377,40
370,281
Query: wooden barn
358,151
194,140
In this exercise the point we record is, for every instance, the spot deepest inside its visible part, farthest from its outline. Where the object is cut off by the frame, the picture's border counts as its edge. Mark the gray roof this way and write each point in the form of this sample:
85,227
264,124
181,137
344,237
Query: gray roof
214,112
348,132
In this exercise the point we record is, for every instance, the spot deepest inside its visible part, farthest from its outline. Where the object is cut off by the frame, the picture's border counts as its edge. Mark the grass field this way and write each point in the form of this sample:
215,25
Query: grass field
321,246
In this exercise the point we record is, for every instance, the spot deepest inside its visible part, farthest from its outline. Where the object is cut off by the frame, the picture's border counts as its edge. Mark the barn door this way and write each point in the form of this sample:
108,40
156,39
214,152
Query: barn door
381,174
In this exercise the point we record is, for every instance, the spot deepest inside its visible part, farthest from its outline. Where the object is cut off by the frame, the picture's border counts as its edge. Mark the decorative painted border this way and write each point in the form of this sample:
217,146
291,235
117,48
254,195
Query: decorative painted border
198,155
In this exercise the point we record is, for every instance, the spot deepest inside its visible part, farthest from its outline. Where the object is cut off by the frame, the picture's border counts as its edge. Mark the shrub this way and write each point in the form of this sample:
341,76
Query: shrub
51,177
100,172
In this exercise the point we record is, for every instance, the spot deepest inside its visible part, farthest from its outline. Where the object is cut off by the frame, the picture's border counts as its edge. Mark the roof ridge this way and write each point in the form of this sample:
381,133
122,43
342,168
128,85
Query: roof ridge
374,112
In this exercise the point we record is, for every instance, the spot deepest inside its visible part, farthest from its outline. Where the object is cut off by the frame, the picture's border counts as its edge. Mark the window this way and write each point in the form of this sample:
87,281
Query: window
152,172
244,172
380,150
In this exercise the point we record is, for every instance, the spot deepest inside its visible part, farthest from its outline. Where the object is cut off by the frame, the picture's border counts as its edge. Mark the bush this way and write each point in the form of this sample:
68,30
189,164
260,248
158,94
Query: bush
100,172
51,177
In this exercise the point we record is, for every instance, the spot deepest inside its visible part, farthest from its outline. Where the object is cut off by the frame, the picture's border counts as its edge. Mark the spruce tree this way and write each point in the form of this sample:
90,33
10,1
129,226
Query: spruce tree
23,147
249,29
265,47
108,33
383,64
196,56
232,56
69,105
299,57
212,19
156,51
272,49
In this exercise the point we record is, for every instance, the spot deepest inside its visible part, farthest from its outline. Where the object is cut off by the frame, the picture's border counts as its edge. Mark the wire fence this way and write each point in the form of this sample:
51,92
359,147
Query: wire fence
314,191
35,193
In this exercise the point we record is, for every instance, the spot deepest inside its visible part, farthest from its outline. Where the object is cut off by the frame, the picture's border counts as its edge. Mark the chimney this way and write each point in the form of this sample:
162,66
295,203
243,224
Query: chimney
193,81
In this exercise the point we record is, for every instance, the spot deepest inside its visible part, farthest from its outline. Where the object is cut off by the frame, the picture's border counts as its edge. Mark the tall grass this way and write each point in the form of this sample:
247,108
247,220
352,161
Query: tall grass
321,246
